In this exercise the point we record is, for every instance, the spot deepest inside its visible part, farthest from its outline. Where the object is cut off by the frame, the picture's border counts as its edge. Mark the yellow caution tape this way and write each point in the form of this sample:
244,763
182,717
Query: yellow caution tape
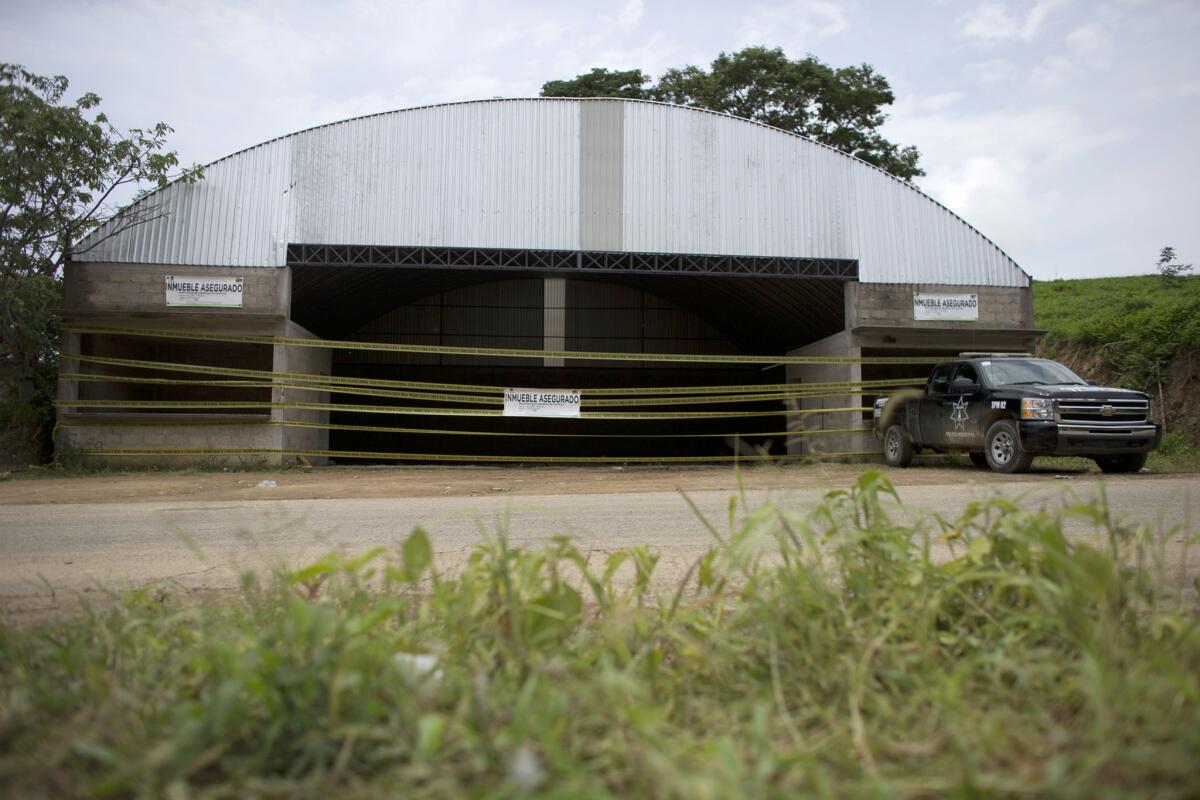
705,399
451,398
267,375
91,377
139,423
494,352
460,387
453,412
267,453
396,394
101,422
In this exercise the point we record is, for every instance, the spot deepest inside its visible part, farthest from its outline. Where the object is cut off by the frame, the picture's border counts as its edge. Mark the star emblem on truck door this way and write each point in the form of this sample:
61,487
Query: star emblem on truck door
960,414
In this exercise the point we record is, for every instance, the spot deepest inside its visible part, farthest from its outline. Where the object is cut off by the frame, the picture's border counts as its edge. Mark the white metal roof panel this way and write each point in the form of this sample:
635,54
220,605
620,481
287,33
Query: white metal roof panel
561,175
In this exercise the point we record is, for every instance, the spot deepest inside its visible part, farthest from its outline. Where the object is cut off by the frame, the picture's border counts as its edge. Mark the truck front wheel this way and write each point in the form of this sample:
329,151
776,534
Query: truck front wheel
1002,448
1127,462
897,449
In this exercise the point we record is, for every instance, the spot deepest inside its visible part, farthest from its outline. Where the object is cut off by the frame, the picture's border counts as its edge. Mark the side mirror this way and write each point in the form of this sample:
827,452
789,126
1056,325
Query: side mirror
963,386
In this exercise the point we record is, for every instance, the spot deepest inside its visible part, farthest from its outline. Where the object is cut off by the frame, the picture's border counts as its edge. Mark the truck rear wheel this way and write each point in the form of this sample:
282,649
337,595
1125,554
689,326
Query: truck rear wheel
897,449
1127,462
1002,448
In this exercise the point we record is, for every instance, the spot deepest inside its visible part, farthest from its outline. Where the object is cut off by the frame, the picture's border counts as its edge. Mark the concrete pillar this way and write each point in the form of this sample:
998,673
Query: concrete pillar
838,345
307,361
69,345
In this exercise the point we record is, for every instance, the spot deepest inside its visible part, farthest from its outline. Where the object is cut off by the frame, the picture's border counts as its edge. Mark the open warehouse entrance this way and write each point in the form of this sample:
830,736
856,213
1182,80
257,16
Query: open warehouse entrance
612,311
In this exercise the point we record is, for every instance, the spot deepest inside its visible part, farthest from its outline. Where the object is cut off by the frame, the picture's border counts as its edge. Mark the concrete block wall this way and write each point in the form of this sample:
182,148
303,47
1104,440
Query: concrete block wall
174,437
891,304
155,437
90,287
105,295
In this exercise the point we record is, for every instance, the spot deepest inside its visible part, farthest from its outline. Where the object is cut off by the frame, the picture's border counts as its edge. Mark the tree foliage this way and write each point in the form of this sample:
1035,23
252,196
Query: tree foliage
1168,267
600,82
843,108
63,168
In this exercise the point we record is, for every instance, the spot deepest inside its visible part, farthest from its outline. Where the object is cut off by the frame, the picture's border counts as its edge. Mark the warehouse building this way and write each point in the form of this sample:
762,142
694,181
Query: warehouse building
586,226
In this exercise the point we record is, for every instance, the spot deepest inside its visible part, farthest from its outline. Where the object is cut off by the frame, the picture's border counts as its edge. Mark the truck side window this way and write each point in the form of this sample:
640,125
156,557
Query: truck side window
966,375
939,382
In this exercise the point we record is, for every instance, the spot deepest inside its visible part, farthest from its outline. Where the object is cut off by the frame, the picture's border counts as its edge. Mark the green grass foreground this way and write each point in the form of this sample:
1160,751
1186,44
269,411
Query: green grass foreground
819,652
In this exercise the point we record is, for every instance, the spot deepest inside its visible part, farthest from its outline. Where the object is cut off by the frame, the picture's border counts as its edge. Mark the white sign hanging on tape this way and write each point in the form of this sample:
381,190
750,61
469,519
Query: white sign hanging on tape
541,402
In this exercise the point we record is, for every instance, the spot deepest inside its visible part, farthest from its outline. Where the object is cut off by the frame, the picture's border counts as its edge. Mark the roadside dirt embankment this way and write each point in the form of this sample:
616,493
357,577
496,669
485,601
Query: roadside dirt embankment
1176,389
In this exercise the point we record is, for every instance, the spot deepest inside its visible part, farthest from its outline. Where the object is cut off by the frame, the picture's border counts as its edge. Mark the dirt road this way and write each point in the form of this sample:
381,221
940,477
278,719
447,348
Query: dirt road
62,537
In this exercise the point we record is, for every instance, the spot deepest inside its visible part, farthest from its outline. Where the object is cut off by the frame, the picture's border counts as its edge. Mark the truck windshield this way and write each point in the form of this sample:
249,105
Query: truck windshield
1028,371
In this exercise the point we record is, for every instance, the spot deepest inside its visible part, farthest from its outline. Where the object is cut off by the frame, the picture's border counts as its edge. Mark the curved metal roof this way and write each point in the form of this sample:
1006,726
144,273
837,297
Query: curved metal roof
559,174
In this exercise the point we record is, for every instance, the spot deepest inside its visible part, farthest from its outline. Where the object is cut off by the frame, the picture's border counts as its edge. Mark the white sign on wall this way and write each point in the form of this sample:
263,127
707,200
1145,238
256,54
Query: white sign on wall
946,307
204,292
541,402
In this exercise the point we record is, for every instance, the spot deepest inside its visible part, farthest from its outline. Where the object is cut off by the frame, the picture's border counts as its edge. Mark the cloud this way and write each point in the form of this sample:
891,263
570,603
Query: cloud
1054,72
933,103
1004,170
1086,48
995,70
1003,198
795,26
1154,93
1021,108
992,22
267,68
1187,89
630,15
1091,41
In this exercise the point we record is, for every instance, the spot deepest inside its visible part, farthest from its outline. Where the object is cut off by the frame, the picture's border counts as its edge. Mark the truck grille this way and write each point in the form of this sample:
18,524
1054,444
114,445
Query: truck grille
1104,413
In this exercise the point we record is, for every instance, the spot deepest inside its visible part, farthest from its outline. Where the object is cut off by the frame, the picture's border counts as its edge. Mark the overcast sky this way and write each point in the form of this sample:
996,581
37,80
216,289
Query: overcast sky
1067,131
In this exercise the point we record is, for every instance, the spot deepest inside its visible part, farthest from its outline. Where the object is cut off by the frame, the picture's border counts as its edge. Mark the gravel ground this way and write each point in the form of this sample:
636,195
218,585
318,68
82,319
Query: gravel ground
67,540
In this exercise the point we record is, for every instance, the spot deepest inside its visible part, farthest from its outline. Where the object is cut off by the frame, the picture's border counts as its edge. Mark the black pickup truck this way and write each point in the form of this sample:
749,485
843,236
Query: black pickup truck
1005,410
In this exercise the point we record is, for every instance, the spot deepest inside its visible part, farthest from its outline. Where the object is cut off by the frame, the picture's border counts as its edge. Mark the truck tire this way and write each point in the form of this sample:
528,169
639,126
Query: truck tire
1002,448
978,459
897,449
1127,462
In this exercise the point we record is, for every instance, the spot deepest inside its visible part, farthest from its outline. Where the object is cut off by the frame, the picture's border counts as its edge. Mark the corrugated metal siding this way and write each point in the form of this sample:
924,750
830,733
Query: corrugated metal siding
705,183
499,174
236,216
507,174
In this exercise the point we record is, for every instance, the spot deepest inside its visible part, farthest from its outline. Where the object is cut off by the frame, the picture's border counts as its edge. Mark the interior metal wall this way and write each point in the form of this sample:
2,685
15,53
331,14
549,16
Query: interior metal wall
529,313
513,313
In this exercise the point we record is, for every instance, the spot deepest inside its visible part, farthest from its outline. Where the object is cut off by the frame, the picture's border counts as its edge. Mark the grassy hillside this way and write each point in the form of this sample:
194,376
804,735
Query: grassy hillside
1140,320
1136,332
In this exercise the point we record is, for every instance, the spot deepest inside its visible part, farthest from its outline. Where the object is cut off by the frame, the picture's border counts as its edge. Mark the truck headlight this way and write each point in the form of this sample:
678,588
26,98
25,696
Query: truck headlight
1037,408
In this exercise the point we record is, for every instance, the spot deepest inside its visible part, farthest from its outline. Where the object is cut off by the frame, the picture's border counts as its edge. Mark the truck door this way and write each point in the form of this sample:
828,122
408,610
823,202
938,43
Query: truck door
965,410
937,395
